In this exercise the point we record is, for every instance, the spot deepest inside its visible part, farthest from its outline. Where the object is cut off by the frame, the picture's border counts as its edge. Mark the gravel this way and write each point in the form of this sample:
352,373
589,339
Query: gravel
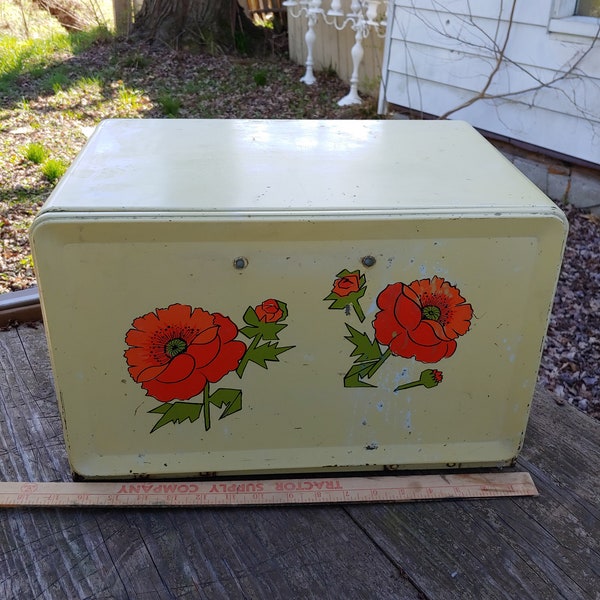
571,361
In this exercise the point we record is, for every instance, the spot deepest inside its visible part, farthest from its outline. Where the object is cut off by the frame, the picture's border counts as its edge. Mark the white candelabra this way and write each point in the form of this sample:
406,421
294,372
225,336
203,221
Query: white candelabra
363,18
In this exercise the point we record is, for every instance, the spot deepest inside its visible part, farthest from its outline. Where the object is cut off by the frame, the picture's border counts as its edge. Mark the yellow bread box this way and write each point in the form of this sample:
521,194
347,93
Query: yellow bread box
233,297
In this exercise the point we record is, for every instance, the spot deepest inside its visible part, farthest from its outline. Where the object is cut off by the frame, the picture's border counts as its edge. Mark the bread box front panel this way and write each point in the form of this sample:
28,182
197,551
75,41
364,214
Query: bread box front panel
321,336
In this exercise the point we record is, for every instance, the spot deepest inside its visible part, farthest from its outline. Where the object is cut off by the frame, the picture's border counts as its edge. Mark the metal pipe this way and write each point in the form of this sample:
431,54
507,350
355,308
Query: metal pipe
21,306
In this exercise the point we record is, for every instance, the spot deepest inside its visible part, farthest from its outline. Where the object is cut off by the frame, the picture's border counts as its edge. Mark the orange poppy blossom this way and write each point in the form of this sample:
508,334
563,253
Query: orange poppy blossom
269,311
347,290
175,351
347,284
422,319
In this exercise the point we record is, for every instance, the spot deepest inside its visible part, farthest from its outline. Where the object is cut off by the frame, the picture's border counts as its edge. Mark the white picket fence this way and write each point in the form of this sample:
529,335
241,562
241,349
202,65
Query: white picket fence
332,49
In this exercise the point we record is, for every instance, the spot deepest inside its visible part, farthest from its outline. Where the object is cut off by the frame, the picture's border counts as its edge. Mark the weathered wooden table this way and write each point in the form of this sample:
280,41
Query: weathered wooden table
545,547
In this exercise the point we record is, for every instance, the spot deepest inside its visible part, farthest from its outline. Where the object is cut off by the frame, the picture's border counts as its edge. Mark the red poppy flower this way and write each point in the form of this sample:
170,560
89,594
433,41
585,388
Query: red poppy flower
422,319
269,311
175,351
347,284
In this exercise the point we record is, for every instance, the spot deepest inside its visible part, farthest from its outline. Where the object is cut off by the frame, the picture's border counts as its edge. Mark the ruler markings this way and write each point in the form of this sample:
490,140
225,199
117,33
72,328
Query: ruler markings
400,488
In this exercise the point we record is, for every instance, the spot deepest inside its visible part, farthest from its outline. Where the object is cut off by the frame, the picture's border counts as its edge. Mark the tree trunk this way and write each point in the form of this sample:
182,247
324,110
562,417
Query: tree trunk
217,24
123,13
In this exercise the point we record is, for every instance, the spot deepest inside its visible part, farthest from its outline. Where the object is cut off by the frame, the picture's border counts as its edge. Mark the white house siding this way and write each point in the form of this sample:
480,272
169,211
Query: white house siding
440,53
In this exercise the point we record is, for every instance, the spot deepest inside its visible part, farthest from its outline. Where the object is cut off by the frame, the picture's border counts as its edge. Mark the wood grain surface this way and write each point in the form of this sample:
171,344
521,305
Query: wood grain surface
545,547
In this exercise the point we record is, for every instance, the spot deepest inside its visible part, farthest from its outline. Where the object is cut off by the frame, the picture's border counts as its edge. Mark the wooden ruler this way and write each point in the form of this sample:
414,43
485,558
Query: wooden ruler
393,488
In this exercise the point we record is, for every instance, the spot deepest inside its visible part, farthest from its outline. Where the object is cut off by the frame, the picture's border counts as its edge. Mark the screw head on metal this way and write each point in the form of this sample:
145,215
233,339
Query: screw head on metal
368,261
240,262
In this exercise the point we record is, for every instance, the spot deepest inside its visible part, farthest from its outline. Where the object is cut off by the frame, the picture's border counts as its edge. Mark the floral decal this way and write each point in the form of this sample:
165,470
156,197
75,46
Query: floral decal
175,353
348,289
421,320
263,323
270,311
429,378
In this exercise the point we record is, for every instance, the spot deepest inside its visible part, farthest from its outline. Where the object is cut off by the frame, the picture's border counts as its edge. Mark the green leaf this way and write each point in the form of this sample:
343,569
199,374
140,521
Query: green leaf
266,352
176,413
352,379
250,316
256,327
364,348
342,301
231,399
268,331
284,309
352,299
250,331
338,302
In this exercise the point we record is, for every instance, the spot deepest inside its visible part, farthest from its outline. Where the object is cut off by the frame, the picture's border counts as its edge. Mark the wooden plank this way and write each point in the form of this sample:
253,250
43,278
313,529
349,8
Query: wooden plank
516,548
273,553
563,442
159,553
31,432
546,547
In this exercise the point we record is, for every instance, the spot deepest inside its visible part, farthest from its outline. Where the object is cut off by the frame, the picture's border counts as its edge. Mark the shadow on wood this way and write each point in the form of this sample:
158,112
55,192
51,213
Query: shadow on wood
544,547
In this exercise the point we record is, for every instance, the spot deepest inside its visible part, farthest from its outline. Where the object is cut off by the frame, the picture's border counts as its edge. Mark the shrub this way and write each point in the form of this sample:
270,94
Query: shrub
260,77
170,106
36,153
53,169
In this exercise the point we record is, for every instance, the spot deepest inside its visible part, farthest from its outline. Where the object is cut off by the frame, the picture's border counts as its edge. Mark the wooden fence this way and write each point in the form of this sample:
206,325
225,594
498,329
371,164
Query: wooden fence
262,8
332,50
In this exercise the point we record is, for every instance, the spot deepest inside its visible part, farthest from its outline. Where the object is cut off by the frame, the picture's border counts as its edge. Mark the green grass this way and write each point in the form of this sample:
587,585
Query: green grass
24,104
57,80
19,56
129,100
169,105
88,85
53,169
134,60
36,153
35,57
260,77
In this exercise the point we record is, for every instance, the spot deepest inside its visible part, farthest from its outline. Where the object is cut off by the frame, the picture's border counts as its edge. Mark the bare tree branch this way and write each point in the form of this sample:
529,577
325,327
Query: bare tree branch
499,60
495,47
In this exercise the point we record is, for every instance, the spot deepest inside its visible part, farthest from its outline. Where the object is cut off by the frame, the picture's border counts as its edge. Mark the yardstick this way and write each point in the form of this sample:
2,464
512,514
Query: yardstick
394,488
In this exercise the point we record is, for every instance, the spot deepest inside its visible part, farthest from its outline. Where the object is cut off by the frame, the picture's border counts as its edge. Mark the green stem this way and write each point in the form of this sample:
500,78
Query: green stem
406,386
359,311
378,364
206,397
246,358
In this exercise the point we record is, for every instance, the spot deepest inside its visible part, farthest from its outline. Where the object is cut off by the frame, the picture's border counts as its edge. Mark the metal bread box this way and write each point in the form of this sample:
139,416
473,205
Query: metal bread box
229,297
